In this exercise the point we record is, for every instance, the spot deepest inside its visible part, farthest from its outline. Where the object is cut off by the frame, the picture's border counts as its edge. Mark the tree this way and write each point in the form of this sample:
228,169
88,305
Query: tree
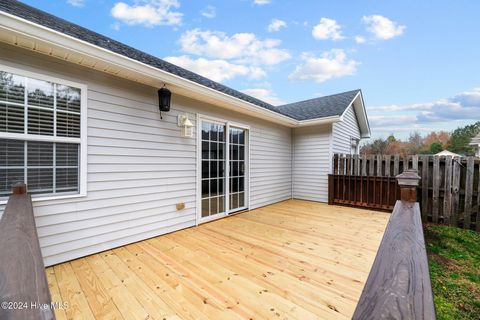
415,144
461,137
436,147
437,136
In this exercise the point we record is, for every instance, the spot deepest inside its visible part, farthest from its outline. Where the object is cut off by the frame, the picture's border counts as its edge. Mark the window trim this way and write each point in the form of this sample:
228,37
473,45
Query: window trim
83,132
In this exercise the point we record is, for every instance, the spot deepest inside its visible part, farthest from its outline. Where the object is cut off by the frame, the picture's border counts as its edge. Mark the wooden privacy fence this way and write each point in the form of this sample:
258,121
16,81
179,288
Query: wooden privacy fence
448,192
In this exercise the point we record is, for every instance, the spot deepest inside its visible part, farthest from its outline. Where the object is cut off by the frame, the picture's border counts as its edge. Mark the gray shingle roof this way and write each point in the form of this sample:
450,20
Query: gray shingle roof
327,106
309,109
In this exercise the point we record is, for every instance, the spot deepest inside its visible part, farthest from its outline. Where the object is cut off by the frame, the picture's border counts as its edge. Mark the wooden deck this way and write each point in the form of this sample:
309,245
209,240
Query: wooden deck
291,260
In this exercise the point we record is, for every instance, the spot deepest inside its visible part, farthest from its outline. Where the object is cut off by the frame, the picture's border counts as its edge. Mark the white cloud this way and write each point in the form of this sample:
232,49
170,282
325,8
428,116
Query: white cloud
385,120
209,12
217,70
240,47
331,64
261,2
463,106
327,29
115,26
76,3
383,28
360,39
148,13
276,25
266,95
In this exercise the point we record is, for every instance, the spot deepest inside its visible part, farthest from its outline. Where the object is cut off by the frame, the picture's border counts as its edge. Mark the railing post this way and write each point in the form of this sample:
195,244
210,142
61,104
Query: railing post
408,182
19,188
398,285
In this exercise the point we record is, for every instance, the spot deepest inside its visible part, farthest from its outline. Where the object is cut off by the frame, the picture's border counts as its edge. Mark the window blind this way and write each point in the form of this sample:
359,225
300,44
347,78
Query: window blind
35,107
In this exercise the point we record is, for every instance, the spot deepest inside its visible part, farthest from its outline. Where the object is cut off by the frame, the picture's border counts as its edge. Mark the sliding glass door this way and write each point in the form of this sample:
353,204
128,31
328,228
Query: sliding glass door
237,169
223,169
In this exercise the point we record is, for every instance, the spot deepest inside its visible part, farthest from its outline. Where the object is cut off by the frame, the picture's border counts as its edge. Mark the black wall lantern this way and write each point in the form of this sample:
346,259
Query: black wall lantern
164,96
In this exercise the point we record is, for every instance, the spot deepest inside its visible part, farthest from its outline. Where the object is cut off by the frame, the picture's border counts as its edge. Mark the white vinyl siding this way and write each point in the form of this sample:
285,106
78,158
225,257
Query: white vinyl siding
139,167
344,131
311,163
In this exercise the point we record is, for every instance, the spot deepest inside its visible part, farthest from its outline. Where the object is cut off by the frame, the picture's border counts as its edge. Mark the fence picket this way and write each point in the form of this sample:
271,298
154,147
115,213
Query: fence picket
477,221
468,193
335,164
379,165
364,165
371,166
396,164
357,164
447,193
436,188
425,167
387,165
415,162
341,165
456,191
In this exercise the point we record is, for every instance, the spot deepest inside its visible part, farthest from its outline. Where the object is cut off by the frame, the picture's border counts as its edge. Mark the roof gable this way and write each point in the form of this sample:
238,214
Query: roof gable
327,106
55,23
26,21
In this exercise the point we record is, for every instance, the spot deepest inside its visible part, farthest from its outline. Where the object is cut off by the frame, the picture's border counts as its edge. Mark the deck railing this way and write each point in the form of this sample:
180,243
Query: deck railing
448,194
398,286
24,292
362,191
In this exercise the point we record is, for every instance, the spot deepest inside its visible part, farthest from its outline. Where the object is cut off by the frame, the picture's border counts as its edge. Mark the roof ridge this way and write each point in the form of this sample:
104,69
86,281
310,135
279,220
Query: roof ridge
319,98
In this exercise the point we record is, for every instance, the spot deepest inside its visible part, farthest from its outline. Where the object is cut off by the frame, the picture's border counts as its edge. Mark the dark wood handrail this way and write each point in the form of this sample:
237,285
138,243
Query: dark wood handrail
24,292
398,286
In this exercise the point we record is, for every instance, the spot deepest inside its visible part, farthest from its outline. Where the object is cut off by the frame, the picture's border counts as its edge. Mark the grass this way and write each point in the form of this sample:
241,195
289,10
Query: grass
454,260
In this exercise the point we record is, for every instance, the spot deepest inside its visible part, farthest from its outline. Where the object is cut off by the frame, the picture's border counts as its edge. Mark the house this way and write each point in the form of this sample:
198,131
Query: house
80,124
446,153
476,144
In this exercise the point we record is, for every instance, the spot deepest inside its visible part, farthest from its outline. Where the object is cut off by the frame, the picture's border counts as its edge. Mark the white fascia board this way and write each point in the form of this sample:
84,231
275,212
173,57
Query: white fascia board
325,120
363,119
19,26
368,132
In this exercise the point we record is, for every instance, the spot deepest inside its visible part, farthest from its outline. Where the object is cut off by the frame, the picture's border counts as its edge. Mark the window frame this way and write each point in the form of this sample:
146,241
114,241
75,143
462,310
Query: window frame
82,141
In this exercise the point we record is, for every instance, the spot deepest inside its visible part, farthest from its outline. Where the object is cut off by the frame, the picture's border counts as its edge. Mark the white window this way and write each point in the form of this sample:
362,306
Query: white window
42,134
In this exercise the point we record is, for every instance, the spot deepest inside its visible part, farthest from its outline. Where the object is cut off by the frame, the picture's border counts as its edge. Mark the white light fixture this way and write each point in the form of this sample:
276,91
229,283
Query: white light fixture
354,142
186,125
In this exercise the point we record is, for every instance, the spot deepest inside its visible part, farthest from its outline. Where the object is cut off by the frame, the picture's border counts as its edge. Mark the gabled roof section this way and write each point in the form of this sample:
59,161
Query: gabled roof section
50,21
33,29
327,106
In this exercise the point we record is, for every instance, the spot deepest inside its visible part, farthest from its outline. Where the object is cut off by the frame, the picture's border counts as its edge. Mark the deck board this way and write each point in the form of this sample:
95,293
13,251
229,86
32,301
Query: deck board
291,260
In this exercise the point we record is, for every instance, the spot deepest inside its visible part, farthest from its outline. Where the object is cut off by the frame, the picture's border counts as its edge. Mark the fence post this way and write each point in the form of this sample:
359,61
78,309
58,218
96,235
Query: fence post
331,190
408,182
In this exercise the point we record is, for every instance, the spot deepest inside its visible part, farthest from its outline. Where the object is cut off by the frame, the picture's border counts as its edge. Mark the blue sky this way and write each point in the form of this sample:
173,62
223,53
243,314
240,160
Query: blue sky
417,62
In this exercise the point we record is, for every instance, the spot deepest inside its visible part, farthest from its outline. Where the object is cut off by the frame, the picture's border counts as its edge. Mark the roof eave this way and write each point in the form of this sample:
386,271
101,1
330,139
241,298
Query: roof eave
318,121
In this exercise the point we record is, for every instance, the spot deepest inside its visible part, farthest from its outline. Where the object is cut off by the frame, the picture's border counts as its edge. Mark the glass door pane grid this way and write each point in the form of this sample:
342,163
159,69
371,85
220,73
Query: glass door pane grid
213,169
237,168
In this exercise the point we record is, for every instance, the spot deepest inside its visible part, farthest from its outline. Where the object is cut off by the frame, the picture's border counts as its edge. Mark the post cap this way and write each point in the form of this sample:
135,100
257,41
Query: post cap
19,188
408,178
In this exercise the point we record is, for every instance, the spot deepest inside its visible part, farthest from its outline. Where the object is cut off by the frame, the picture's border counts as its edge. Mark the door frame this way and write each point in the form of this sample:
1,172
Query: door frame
228,124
